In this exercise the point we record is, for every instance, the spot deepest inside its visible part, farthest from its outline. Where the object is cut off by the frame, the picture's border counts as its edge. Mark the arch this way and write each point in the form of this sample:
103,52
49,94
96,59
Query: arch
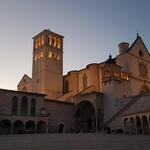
85,120
36,44
133,126
14,105
138,125
144,89
30,127
24,105
84,81
39,42
42,39
33,106
18,127
41,127
126,126
58,43
145,124
50,40
61,128
54,42
5,127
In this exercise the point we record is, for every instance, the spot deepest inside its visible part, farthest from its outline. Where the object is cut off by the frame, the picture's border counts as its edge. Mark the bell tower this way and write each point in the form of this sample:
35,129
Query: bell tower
47,70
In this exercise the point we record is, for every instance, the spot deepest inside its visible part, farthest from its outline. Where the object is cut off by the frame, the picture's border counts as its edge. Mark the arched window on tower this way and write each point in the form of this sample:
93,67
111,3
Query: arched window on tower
50,40
36,44
33,107
54,42
58,43
14,105
42,39
24,105
66,87
84,81
39,42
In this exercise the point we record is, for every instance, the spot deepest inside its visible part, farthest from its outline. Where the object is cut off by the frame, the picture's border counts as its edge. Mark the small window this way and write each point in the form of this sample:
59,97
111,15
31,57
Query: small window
50,54
14,105
42,40
41,55
66,87
39,42
35,58
54,41
84,81
24,105
36,44
33,107
58,43
50,40
38,56
37,80
140,53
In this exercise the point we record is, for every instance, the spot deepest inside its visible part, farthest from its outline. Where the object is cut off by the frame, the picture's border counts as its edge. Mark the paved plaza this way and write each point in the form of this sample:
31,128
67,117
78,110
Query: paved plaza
89,141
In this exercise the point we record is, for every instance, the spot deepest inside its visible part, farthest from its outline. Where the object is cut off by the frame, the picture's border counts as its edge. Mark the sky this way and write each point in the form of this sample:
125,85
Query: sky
92,30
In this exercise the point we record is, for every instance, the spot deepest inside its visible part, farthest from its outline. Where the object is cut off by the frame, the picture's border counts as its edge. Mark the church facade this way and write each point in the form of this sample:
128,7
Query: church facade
109,96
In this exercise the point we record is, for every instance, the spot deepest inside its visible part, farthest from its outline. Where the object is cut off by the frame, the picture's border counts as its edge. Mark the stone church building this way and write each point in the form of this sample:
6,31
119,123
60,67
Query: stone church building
110,96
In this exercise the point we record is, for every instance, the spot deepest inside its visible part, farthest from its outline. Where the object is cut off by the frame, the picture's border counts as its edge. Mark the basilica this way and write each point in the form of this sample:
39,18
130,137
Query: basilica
110,96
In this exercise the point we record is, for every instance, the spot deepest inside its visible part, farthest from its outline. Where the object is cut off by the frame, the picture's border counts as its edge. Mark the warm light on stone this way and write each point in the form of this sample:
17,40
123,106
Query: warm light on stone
50,54
58,43
41,55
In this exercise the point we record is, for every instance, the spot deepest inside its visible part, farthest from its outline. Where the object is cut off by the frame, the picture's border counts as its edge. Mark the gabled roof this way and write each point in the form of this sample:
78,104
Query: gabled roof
132,45
47,31
24,77
138,38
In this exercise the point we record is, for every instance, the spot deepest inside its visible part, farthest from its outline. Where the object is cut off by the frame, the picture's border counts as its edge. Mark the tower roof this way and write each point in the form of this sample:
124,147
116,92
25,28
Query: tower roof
48,31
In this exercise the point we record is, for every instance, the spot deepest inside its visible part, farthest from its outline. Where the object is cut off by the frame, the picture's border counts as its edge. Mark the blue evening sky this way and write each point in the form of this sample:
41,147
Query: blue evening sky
92,30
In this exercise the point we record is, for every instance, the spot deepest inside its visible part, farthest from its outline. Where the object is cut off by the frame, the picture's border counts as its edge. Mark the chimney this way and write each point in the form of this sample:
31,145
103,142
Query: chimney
123,47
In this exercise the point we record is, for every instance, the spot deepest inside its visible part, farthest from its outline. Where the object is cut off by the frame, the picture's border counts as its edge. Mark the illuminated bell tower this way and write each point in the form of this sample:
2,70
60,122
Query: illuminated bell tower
47,70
